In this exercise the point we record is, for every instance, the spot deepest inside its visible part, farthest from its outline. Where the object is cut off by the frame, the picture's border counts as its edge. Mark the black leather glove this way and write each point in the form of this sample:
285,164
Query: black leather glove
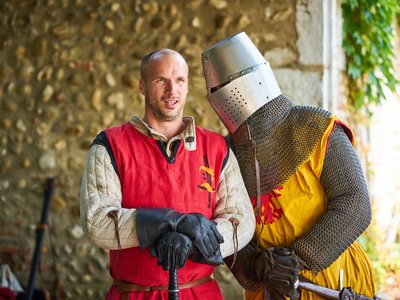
172,250
214,260
278,269
202,231
151,223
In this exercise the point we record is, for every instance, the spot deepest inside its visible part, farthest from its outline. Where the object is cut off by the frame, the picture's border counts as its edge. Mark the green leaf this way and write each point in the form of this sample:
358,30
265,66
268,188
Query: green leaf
368,35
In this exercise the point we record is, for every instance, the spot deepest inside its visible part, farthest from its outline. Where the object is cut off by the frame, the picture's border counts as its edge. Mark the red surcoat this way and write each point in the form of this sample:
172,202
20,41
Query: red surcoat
186,182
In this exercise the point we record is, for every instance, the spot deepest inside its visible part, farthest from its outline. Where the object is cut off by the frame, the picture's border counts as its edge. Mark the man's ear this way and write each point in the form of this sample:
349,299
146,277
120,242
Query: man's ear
142,87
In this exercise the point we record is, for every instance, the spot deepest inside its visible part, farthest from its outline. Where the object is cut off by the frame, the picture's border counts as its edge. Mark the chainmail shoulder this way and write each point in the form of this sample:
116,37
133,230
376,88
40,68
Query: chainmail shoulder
285,135
349,211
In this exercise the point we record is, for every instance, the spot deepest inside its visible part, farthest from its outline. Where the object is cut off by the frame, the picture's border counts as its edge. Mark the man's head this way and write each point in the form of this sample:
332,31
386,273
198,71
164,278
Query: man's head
164,84
239,80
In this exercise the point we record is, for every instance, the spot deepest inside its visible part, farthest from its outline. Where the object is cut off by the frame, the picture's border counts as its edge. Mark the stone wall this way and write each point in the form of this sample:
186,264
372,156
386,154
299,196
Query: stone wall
68,69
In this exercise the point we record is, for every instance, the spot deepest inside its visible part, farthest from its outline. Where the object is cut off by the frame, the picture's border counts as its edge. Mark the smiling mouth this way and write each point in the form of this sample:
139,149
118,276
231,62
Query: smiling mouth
169,101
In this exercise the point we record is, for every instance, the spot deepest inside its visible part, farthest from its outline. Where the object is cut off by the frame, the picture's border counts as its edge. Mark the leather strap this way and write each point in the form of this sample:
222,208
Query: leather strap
125,287
241,136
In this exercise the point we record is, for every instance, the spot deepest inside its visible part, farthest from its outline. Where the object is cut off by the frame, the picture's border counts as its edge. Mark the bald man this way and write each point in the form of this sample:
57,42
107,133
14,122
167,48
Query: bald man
161,193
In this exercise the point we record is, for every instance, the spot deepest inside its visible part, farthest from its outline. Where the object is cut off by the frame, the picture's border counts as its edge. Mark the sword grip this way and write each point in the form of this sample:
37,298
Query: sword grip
173,288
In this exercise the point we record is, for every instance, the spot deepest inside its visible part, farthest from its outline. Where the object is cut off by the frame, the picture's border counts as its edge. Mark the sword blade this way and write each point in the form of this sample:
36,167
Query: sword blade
319,290
331,294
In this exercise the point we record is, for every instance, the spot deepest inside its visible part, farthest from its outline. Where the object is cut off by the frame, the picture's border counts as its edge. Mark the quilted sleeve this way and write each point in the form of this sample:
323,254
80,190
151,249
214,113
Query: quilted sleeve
103,220
233,203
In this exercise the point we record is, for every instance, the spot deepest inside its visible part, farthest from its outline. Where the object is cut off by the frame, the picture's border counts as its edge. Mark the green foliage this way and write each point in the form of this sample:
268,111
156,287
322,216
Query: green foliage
385,258
368,34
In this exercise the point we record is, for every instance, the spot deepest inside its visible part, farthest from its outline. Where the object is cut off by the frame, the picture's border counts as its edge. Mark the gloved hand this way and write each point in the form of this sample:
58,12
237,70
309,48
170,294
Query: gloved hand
151,223
202,231
172,250
278,269
214,260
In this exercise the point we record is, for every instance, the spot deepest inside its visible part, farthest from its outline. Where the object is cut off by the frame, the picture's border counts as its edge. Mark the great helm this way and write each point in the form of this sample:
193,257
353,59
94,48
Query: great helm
238,78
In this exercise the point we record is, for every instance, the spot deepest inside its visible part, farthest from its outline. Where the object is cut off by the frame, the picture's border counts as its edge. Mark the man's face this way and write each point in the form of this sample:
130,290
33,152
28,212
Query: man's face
165,88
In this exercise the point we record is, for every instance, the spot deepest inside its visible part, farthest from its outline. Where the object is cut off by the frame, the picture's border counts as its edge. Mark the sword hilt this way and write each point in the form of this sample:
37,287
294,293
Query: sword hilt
173,288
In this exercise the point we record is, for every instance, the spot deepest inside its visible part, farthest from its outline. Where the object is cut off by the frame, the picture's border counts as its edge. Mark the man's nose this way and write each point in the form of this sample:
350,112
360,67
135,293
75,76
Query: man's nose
171,86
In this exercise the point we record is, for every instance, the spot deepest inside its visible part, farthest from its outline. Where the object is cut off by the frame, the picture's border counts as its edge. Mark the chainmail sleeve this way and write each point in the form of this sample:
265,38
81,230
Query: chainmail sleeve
349,210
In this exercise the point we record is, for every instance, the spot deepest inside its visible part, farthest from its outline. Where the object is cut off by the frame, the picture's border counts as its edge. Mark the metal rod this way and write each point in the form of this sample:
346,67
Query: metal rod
330,294
40,230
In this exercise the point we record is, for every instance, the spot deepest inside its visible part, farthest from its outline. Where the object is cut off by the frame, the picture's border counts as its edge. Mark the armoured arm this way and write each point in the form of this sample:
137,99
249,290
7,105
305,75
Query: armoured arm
233,202
275,268
101,194
349,211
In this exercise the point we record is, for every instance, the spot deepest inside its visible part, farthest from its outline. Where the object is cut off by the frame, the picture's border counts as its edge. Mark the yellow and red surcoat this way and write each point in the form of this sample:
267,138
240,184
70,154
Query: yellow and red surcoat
186,181
290,210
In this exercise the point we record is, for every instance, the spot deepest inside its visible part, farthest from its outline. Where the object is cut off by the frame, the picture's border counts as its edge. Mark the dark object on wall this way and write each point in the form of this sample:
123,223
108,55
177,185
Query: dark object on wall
40,230
37,294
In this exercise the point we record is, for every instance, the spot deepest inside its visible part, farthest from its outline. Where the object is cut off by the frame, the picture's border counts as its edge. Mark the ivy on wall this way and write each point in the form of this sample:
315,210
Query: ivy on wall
368,36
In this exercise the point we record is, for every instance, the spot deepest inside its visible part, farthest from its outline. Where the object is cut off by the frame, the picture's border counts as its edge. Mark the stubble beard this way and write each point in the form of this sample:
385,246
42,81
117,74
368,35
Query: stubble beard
160,115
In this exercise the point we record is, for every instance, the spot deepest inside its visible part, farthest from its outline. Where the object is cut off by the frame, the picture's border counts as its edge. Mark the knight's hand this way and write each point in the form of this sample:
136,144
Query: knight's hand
278,269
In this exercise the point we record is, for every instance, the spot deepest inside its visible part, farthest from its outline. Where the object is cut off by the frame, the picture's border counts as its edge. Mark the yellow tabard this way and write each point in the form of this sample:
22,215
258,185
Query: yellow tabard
290,210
